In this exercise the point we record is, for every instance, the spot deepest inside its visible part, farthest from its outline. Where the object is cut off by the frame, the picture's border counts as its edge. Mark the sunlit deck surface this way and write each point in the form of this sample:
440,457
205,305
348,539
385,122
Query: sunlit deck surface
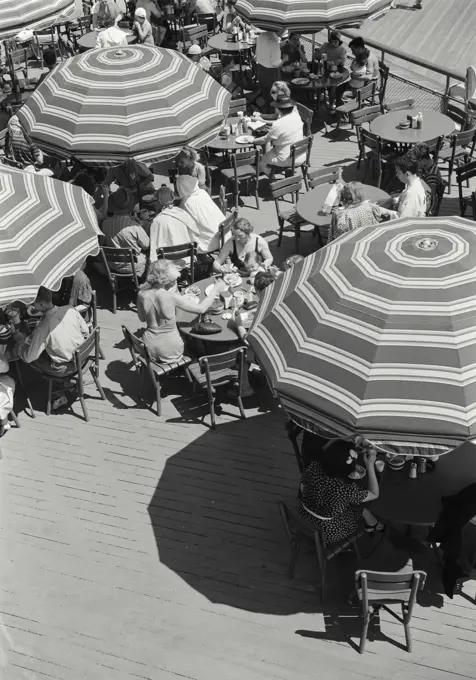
143,547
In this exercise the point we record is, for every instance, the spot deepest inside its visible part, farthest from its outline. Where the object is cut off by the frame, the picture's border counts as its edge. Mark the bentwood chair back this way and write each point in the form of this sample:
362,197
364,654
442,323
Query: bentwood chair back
282,188
384,73
181,251
324,176
225,227
237,105
219,370
245,167
110,257
377,589
144,364
306,116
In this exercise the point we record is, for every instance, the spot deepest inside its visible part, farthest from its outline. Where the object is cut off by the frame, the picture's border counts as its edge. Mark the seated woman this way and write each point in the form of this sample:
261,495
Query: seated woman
243,241
331,500
415,198
157,304
358,70
190,154
293,51
356,211
75,291
334,50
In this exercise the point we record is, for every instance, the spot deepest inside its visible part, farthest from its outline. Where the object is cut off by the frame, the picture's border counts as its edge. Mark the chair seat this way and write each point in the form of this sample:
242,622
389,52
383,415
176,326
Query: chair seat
349,106
243,172
222,377
165,368
446,153
290,215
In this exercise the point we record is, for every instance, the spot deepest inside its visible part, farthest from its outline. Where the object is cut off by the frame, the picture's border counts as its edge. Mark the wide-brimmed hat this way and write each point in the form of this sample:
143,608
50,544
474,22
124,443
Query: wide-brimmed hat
283,102
121,202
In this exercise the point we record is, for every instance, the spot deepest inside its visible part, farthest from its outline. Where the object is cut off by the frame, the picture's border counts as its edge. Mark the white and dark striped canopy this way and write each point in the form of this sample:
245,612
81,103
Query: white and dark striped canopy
376,333
309,16
107,105
47,230
17,15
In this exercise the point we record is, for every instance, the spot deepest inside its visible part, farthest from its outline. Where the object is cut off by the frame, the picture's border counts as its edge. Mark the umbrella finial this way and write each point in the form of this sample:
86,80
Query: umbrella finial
119,53
427,244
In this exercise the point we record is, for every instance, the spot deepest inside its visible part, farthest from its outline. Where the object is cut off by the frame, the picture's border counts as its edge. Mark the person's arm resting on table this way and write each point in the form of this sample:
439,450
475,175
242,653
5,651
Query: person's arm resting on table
35,344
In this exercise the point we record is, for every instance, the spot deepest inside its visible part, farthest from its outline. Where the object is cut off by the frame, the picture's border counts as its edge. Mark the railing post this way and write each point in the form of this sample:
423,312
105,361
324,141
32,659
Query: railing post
382,56
447,94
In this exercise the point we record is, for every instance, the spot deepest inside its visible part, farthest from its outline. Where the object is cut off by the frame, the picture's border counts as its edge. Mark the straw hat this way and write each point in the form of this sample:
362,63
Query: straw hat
121,202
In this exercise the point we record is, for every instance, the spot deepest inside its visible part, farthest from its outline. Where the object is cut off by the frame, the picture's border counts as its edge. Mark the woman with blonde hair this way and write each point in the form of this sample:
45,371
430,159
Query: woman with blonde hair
278,89
157,304
355,211
190,154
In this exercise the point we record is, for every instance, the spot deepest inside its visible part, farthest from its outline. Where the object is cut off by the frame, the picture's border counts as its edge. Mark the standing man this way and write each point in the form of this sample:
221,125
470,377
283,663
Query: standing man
268,61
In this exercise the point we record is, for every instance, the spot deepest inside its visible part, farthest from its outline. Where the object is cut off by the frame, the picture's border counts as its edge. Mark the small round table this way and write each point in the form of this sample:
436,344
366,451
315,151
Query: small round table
228,334
320,83
229,143
435,124
417,502
88,40
222,42
310,205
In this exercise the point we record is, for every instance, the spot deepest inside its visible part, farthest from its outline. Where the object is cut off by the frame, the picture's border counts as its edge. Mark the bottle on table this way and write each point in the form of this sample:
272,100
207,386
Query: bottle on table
413,471
419,121
245,126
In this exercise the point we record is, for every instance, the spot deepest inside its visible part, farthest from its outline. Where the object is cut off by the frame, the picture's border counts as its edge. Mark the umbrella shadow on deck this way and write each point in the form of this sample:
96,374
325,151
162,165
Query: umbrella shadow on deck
217,525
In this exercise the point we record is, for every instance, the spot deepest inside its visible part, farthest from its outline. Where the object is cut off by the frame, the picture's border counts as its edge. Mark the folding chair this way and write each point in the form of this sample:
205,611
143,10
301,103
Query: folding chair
460,152
317,178
463,174
144,364
365,95
377,589
299,149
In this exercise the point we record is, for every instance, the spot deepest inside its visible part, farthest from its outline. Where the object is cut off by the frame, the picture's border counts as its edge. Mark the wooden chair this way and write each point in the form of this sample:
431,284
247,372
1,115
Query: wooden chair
111,256
180,252
244,168
370,150
384,72
194,35
86,358
225,227
460,151
219,370
377,589
301,532
457,112
208,20
49,37
365,115
317,178
301,148
399,105
237,105
306,116
93,319
79,28
23,76
463,174
365,95
290,186
144,364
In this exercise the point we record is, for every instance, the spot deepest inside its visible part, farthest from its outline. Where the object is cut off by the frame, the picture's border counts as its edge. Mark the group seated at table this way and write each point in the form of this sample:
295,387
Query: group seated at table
242,244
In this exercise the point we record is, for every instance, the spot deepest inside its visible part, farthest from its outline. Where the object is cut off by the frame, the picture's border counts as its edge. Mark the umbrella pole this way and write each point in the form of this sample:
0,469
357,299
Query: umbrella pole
313,50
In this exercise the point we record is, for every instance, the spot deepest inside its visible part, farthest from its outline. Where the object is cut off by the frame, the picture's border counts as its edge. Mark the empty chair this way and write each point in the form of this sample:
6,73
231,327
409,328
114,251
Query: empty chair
244,168
399,105
219,370
384,72
371,151
365,115
290,186
110,258
377,589
237,105
365,95
460,151
144,364
306,116
329,176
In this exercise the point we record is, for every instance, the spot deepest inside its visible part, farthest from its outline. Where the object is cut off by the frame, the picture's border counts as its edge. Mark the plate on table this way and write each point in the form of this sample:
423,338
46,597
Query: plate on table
233,280
208,289
192,290
314,76
287,69
358,473
335,75
245,139
300,81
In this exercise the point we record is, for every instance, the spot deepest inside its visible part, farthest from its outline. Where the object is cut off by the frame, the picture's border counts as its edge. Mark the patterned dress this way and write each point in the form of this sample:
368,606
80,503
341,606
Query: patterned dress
364,214
331,497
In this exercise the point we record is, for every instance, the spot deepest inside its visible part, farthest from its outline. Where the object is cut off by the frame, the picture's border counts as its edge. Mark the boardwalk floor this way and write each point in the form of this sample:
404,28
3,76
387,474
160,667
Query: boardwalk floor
144,547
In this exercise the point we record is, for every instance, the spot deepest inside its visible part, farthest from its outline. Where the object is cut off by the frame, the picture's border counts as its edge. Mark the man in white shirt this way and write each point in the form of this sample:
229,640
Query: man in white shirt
268,61
415,198
105,9
111,36
54,341
173,226
285,131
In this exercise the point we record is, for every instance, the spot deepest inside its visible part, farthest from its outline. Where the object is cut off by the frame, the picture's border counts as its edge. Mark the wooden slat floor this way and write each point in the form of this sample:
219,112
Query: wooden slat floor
144,547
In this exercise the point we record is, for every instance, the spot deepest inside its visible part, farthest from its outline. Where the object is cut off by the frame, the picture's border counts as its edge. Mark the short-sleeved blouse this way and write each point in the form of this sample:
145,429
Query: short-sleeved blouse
334,498
364,214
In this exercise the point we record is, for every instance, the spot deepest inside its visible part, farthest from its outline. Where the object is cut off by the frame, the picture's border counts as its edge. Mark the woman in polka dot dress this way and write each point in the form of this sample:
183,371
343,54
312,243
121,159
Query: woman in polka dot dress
331,500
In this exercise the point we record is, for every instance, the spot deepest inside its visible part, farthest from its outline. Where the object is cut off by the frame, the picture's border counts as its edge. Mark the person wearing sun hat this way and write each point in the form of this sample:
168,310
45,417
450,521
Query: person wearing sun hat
285,131
142,28
195,54
122,230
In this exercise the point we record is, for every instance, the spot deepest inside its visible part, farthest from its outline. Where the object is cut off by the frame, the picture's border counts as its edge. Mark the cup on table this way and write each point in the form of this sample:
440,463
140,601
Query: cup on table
380,466
239,297
296,73
233,128
240,114
226,131
227,297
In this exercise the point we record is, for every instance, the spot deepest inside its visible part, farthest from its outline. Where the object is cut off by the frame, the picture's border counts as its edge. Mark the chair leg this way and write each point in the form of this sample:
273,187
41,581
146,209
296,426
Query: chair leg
281,230
297,236
101,353
114,302
49,397
322,562
97,383
363,635
450,175
211,404
14,417
84,407
242,410
406,625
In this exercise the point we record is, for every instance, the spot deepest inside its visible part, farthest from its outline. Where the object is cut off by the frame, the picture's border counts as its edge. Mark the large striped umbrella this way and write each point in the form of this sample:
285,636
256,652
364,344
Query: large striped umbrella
17,15
309,16
107,105
376,333
47,230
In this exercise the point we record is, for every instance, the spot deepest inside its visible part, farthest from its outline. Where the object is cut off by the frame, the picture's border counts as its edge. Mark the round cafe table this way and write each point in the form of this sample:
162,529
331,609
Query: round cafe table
417,502
310,204
229,143
88,40
222,42
321,83
228,334
435,124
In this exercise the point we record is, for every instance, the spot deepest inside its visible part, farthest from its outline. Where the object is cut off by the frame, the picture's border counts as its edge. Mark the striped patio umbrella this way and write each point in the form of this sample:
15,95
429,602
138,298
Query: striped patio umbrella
47,230
309,16
17,15
376,334
141,102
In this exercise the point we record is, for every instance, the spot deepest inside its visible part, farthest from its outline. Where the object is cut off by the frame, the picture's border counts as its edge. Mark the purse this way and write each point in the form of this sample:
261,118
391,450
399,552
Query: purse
205,327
